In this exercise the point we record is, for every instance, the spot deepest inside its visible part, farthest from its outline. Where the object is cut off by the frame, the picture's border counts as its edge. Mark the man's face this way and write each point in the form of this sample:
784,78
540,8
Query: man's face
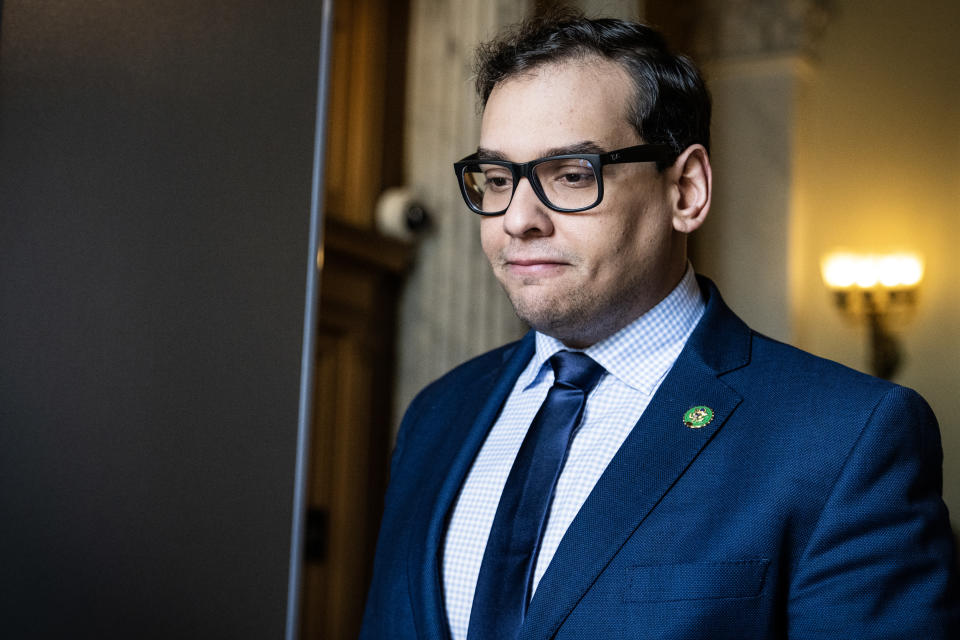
579,277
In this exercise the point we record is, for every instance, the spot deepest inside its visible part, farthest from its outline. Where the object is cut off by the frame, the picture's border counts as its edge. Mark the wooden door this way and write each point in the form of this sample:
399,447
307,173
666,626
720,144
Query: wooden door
360,282
351,436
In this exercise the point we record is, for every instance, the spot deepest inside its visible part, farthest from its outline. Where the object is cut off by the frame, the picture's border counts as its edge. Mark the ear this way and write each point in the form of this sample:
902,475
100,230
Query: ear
692,184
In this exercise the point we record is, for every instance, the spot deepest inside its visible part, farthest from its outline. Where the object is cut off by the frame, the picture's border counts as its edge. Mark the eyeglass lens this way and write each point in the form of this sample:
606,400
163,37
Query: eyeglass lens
566,183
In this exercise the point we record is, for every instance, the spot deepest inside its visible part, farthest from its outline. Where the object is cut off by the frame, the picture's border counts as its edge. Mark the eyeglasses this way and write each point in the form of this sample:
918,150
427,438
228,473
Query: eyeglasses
567,183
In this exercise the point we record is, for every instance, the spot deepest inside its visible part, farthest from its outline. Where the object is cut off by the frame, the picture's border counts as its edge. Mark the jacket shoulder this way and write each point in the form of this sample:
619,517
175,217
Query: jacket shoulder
786,365
461,376
450,390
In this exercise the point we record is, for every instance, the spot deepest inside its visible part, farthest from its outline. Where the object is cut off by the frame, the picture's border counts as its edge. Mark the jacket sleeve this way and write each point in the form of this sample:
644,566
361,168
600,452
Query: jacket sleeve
388,612
881,561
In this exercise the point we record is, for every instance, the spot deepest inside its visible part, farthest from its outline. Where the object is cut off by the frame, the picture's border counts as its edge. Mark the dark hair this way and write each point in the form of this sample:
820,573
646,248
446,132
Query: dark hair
672,104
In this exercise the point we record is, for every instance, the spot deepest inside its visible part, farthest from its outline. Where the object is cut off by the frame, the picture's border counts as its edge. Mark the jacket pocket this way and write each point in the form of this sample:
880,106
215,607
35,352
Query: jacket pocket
696,581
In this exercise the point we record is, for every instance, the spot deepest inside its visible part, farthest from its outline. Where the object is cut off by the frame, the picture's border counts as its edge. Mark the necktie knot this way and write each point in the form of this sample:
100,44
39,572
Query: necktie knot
576,369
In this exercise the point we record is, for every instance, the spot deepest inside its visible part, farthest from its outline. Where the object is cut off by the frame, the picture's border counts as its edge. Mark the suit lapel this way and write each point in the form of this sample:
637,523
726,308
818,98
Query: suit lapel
654,456
479,407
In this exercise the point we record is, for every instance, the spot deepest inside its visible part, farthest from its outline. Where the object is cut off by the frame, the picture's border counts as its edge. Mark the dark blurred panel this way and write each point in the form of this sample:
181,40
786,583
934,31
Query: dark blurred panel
155,162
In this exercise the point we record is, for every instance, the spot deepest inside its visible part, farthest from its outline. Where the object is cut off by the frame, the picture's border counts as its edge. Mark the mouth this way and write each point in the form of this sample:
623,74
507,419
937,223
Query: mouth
534,267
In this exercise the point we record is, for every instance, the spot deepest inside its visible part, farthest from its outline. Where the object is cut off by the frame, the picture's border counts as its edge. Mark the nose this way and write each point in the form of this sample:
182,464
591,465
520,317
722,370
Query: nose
527,216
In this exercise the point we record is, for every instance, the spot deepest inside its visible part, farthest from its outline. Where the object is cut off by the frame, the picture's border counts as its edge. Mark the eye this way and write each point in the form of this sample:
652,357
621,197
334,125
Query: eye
572,178
566,173
497,178
572,173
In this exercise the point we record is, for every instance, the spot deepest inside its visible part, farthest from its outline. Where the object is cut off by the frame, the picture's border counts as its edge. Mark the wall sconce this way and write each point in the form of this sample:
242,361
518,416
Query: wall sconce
878,290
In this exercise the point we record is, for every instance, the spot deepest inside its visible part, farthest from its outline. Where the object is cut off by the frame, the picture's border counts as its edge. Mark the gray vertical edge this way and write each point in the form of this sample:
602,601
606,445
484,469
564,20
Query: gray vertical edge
305,418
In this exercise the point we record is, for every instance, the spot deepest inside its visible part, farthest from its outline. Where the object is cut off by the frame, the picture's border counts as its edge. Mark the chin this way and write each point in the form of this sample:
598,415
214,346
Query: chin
556,320
572,318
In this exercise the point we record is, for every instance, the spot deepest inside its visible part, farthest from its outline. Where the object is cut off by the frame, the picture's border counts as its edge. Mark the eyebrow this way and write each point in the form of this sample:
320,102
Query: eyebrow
587,146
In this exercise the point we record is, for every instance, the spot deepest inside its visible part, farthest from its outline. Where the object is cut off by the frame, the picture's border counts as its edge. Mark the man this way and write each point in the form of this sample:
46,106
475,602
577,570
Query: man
642,464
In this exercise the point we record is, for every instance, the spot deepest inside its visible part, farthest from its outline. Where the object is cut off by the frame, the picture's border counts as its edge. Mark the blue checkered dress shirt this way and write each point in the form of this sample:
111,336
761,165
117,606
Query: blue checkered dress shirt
636,358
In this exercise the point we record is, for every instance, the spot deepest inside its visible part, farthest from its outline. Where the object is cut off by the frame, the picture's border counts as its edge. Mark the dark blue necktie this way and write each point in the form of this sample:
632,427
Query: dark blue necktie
506,573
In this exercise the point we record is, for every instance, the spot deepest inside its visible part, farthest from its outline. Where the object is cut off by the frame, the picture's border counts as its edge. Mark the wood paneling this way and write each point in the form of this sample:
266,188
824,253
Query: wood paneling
366,109
360,281
351,436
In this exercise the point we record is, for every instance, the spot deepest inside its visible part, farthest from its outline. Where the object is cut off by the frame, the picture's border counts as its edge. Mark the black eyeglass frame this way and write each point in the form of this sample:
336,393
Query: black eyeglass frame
638,153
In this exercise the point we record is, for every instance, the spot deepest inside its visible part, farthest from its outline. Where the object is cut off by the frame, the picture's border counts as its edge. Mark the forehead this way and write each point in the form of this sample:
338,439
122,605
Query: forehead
558,105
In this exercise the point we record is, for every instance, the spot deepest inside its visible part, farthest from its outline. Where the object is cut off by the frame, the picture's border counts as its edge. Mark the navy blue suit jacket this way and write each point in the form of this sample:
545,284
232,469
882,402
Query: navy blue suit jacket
808,508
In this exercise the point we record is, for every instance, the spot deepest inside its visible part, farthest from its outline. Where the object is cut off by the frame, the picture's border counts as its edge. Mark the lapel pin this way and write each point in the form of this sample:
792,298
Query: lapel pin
699,416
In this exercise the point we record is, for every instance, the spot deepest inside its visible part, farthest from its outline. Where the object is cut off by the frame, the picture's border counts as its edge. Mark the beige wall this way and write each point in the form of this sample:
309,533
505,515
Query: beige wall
743,245
452,307
878,167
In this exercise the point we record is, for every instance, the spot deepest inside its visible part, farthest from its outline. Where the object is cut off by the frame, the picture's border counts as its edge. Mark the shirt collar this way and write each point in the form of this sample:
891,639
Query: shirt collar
654,339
